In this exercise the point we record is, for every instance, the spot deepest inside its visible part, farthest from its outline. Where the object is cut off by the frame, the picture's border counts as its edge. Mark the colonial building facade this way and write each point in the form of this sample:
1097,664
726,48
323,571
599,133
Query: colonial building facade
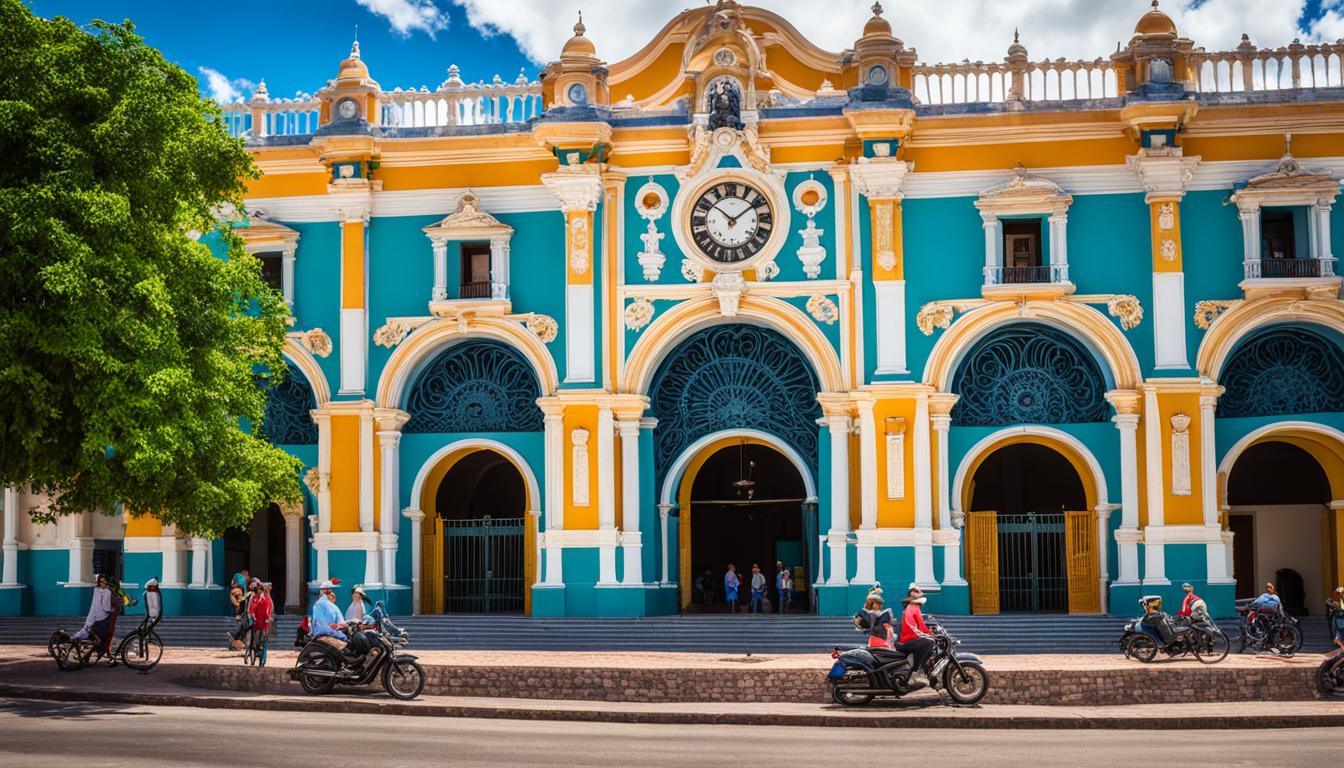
1038,335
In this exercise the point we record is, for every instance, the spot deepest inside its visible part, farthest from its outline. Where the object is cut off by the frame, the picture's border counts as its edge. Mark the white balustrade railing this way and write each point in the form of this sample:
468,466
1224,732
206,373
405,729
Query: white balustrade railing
975,82
260,116
1249,68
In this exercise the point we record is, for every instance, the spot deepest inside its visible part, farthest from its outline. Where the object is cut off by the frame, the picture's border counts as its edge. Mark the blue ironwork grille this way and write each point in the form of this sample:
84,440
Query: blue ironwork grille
288,419
1028,374
483,565
1283,371
1032,571
734,377
475,386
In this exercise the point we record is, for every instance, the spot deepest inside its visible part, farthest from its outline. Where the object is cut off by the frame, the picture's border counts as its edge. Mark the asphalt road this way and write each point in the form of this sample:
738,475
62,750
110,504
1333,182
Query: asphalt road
43,733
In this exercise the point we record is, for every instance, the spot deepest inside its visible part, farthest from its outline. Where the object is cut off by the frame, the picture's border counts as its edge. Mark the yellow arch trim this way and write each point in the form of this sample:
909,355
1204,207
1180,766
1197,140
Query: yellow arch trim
1079,463
1081,321
429,339
1240,321
684,505
690,316
428,504
302,359
1327,450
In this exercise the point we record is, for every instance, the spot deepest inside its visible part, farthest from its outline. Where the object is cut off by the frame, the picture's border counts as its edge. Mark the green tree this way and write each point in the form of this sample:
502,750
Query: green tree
130,355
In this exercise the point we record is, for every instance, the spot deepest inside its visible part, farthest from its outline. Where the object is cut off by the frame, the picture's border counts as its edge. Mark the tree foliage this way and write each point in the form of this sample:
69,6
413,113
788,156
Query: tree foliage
129,353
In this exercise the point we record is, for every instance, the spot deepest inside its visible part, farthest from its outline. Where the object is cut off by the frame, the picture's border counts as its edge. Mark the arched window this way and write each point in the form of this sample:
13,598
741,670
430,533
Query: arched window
734,377
1282,371
475,386
288,419
1028,374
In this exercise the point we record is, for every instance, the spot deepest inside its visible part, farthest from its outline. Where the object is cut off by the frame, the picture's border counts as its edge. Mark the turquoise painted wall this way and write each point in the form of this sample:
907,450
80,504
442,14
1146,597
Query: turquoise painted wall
317,288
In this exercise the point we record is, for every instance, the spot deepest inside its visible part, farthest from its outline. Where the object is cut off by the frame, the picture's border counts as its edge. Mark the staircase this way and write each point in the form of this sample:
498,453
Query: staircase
1003,634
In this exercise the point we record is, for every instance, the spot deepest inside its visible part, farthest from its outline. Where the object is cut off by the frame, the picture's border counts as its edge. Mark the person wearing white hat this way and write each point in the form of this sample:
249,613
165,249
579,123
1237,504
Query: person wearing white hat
327,619
153,601
358,601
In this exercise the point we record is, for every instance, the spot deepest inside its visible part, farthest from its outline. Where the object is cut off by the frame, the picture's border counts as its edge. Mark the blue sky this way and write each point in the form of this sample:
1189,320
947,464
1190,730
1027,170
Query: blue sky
295,45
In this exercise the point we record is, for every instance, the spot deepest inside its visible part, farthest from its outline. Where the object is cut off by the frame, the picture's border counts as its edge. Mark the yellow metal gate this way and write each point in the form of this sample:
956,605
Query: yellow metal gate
1081,541
982,561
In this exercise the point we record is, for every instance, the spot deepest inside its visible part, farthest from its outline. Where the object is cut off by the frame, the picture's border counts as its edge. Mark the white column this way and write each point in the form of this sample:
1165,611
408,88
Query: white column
200,574
889,296
1127,550
499,268
664,512
416,517
389,446
942,423
10,577
440,248
835,537
993,247
1154,551
175,568
1059,247
1103,564
1169,320
1250,241
1208,469
923,497
1323,251
372,565
580,364
323,421
293,515
81,550
632,544
319,551
867,465
606,496
287,275
555,495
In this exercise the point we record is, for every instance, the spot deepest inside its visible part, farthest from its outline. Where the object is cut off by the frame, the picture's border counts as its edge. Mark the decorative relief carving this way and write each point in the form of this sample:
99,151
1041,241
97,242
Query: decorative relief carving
1208,310
651,259
691,271
544,326
638,314
1166,216
316,341
1180,455
578,244
579,466
391,333
895,458
316,480
1168,250
728,288
811,254
884,238
822,309
932,316
1127,308
768,270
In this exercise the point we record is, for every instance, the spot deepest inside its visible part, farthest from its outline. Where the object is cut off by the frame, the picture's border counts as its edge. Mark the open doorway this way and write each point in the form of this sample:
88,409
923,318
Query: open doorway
481,506
746,507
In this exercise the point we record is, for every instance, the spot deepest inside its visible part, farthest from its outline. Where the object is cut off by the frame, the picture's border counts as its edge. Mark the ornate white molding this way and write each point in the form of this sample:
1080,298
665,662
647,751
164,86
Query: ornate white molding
577,230
822,309
578,439
707,147
1023,194
728,288
468,222
1163,173
316,480
1208,310
638,314
543,327
316,341
895,439
577,187
939,314
1180,454
880,177
810,253
651,259
391,333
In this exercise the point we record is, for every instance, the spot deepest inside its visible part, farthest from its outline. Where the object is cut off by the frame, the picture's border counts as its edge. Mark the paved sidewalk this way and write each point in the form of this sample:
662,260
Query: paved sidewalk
28,677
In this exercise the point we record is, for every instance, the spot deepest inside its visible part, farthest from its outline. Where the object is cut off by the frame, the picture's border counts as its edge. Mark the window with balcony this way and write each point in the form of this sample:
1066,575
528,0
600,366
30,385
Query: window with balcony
272,269
1026,234
1285,223
1023,261
475,271
276,245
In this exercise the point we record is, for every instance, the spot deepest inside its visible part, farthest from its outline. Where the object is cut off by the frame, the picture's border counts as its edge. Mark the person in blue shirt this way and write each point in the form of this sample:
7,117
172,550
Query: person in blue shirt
1269,601
327,619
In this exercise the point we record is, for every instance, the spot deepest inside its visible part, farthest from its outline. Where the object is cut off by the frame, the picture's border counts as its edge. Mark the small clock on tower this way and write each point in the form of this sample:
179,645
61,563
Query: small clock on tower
731,222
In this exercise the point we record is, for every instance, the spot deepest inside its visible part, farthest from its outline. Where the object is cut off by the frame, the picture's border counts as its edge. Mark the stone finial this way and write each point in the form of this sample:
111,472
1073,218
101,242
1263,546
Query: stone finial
877,9
354,49
579,28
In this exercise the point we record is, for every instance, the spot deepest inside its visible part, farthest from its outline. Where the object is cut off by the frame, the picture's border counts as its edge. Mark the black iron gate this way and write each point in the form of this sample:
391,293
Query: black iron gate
483,565
1033,575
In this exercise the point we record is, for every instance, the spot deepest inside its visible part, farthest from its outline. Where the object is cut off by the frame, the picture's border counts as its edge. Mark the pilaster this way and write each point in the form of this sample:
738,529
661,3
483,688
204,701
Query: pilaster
578,188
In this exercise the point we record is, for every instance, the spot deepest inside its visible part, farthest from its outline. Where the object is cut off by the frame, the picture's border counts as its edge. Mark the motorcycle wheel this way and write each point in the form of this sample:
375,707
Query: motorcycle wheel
846,699
318,684
1143,648
970,686
1287,640
403,680
1211,648
1330,678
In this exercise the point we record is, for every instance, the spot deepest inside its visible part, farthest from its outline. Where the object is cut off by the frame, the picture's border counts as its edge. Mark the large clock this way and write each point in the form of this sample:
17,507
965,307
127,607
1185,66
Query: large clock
731,222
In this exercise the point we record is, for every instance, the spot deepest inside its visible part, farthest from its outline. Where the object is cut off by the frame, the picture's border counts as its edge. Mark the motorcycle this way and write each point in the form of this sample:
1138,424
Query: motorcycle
1267,630
1330,675
320,667
1200,637
862,674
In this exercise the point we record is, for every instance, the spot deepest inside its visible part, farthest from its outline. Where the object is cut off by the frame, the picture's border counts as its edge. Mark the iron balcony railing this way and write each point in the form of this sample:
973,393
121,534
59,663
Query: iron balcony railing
1290,268
1045,273
479,290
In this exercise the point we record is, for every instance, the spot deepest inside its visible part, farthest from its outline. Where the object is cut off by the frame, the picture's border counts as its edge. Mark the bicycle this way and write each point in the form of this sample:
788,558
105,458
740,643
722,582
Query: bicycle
72,653
254,652
141,649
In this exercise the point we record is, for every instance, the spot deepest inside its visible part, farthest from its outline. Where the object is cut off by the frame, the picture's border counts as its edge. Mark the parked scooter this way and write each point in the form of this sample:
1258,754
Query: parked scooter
1330,675
1155,632
320,667
1268,629
861,674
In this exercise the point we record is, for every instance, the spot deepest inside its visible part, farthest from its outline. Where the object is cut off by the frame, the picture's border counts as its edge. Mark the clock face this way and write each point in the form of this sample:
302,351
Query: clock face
347,109
578,94
731,222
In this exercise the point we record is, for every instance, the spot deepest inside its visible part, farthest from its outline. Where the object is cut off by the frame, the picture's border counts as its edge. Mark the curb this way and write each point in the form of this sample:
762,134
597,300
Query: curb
889,718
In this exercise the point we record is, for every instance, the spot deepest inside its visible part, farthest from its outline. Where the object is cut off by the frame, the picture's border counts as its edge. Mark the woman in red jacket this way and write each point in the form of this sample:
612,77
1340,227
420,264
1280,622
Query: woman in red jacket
261,608
916,639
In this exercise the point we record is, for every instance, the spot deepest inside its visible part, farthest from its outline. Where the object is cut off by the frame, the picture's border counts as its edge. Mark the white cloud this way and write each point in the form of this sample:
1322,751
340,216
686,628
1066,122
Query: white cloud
944,31
225,90
407,16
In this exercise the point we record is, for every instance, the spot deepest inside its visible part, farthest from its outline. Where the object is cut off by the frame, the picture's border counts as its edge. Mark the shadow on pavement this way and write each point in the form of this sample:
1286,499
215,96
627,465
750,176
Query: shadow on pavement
66,710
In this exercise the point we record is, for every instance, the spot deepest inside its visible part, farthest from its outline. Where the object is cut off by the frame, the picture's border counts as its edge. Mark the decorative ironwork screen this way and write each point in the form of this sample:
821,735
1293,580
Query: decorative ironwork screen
475,386
288,420
1033,572
1028,374
1283,371
734,377
483,565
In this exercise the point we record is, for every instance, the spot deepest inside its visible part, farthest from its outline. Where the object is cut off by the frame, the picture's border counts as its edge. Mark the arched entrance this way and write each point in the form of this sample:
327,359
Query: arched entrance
744,502
477,540
260,548
1032,536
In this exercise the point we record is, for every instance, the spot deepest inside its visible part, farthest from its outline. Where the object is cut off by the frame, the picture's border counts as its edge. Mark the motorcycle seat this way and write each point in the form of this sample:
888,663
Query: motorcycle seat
886,655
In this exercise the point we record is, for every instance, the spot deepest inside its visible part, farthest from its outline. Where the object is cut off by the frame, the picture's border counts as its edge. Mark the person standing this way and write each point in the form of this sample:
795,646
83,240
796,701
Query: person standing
358,605
261,608
730,584
784,586
757,587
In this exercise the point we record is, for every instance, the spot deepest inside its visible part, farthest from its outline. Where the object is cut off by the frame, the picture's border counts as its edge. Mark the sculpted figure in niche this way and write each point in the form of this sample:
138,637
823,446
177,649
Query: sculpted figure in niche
725,106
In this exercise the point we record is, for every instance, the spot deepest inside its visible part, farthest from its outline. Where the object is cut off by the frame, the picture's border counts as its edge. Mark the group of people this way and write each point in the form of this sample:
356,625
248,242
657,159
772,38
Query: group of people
253,607
757,588
328,625
909,634
100,624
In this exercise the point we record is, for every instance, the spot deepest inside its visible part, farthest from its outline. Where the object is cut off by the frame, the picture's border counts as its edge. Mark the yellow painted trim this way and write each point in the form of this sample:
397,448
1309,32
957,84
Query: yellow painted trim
1079,463
1159,236
579,235
1187,509
287,185
1038,154
352,265
344,472
1246,318
580,416
475,175
143,525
